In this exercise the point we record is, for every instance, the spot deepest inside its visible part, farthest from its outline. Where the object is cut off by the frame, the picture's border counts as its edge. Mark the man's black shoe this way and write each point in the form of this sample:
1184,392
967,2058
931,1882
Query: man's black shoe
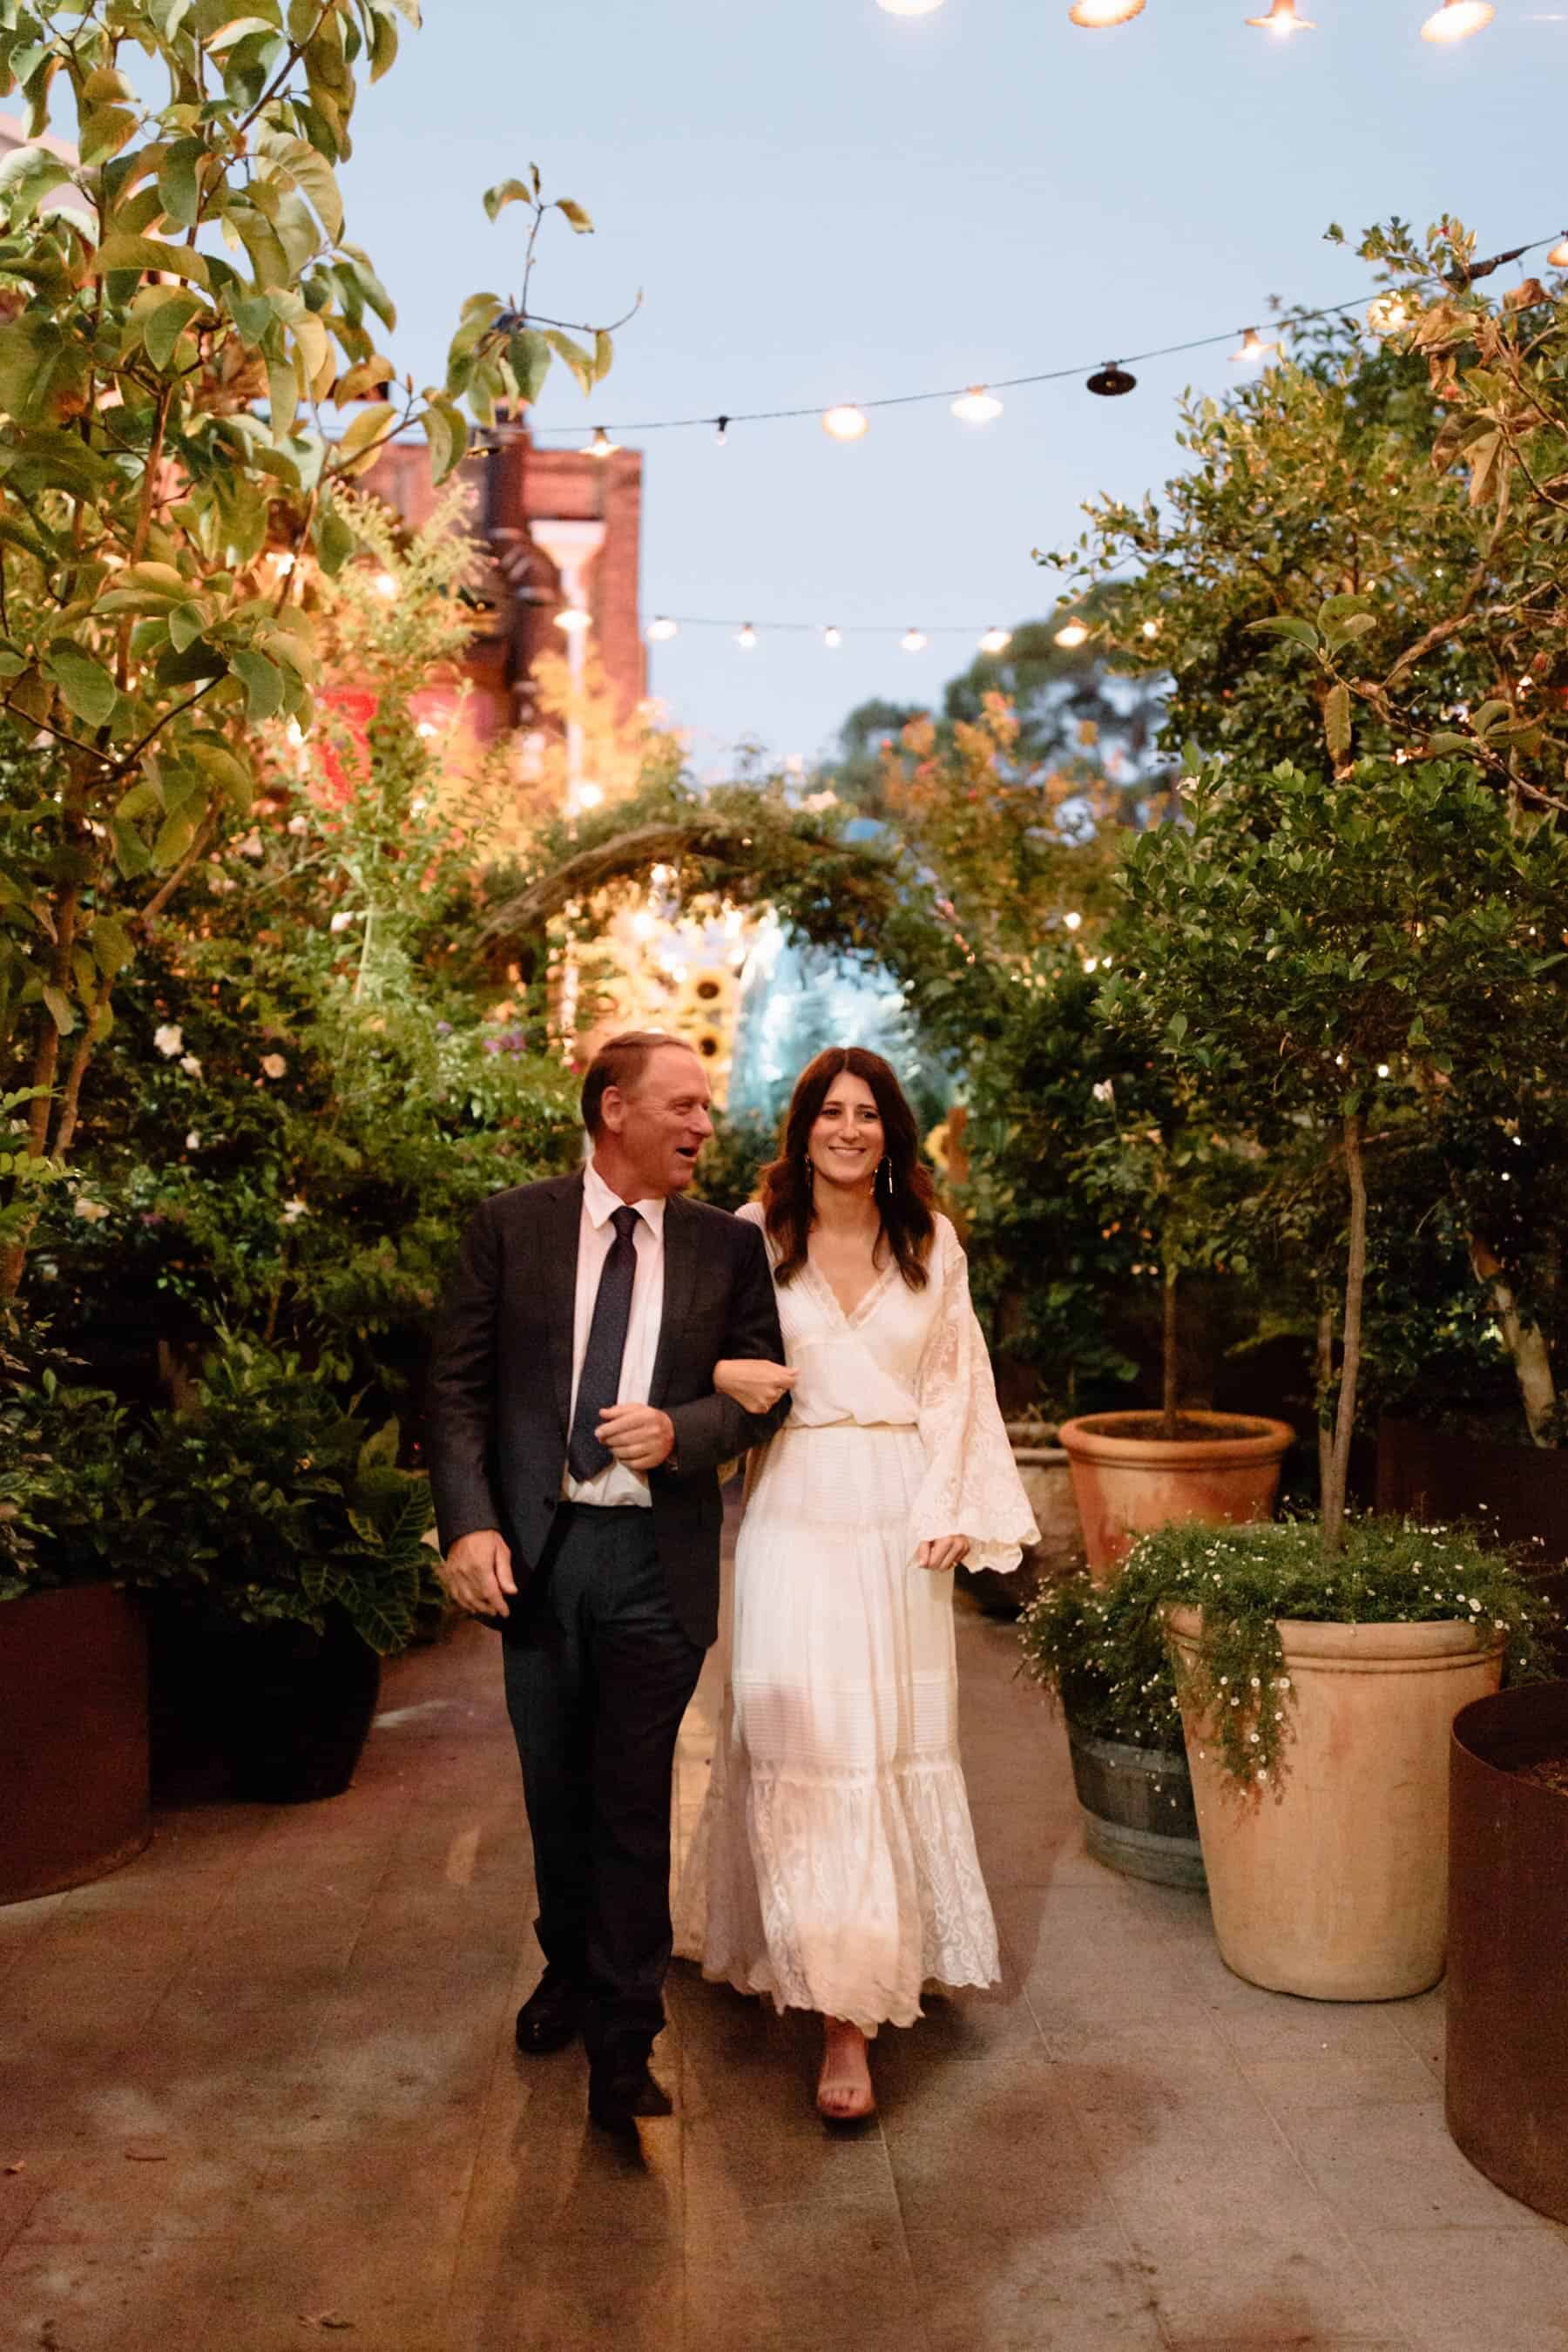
551,2016
620,2090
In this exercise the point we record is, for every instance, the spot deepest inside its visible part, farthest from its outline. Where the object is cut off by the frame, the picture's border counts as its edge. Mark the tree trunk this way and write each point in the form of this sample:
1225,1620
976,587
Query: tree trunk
1169,1391
1325,1383
1526,1344
1350,1364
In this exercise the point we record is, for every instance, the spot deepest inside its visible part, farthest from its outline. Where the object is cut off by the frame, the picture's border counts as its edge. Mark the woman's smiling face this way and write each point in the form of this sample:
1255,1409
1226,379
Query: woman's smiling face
847,1140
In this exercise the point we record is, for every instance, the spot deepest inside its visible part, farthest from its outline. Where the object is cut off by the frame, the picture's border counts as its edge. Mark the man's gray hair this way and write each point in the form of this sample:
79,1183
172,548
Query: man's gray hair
620,1062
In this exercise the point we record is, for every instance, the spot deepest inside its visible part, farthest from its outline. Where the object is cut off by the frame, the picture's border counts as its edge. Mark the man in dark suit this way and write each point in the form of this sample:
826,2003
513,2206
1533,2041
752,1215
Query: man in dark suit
574,1438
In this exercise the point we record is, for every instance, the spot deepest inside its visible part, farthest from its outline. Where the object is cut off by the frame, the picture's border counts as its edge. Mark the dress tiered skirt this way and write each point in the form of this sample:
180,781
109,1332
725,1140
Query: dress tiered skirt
833,1864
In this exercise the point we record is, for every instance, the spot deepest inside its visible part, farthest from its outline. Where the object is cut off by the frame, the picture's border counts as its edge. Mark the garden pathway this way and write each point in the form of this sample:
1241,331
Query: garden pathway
259,2092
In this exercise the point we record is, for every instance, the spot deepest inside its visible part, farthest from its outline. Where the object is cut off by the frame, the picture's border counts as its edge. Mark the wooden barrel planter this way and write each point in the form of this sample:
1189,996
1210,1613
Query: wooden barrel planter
73,1740
1507,2091
1137,1807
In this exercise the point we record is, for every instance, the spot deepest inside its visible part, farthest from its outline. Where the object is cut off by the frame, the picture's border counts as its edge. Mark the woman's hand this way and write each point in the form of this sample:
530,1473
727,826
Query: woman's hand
942,1552
755,1385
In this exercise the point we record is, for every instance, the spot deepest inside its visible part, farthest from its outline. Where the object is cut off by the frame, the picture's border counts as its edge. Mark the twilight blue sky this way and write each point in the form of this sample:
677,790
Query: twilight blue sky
822,202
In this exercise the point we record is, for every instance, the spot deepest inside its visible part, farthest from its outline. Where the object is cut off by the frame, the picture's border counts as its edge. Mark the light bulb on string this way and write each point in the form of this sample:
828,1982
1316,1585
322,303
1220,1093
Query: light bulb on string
573,620
1094,14
1558,257
1388,314
909,7
976,407
746,638
996,641
846,423
1071,634
832,638
914,641
1111,382
1282,20
721,430
1150,628
386,585
661,628
1252,351
601,446
1456,20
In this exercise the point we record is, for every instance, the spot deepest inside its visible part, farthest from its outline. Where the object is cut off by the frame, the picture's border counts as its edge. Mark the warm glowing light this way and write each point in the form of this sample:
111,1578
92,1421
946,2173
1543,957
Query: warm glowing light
832,638
1456,20
846,423
1252,351
1388,314
996,641
1282,20
426,730
1150,628
746,638
1072,921
661,628
601,446
1382,1069
976,407
386,585
590,796
1094,14
1558,257
908,7
573,620
914,641
1071,634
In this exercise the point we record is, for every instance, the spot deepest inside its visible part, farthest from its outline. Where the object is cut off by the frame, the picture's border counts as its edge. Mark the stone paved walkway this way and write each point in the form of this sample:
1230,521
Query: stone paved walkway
259,2092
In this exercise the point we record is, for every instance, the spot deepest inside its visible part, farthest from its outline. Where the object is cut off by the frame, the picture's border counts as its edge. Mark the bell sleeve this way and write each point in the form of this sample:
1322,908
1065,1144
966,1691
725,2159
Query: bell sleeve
970,1485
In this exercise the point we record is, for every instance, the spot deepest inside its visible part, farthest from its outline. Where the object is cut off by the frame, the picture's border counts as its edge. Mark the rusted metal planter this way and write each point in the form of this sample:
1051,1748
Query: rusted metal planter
73,1740
1508,1933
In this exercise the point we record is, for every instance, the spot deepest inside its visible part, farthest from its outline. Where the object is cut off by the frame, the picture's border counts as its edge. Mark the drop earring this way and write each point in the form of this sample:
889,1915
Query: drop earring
884,1178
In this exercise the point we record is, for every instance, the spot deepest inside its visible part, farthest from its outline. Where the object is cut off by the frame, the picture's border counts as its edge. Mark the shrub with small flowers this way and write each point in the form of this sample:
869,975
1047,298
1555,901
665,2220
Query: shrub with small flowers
1246,1579
1099,1651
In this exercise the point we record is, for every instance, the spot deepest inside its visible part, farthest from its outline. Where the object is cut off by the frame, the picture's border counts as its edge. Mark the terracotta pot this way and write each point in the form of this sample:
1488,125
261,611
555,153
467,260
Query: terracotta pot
1125,1485
1507,2076
73,1740
1334,1883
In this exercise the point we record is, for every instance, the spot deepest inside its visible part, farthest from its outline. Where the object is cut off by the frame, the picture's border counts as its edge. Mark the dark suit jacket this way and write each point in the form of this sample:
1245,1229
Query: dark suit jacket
500,1390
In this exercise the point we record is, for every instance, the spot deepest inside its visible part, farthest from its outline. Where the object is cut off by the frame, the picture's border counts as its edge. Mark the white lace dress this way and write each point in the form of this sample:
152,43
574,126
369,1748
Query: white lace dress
833,1866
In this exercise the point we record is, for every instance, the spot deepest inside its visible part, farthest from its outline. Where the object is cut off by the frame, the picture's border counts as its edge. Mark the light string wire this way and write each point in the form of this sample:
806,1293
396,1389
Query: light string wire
722,420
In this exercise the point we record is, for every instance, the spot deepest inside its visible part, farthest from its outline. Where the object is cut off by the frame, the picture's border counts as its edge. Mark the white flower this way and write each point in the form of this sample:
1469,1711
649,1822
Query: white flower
168,1040
274,1066
1104,1091
93,1211
299,825
253,845
814,802
193,1141
293,1210
341,920
191,1065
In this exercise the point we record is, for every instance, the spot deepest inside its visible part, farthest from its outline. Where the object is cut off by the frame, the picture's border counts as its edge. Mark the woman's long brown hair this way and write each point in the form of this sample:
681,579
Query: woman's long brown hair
908,1225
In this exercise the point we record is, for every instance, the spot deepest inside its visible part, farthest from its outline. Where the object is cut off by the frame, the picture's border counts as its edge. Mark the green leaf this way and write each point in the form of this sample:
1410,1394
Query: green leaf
90,692
31,351
364,438
530,355
334,539
168,316
175,836
379,1451
263,685
447,436
1488,715
142,253
186,622
312,174
179,182
61,1011
27,174
579,361
1281,624
575,214
1337,721
506,192
603,354
104,132
112,944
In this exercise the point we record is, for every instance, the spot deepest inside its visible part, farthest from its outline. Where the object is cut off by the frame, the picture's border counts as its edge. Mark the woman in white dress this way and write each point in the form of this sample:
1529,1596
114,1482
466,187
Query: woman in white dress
833,1866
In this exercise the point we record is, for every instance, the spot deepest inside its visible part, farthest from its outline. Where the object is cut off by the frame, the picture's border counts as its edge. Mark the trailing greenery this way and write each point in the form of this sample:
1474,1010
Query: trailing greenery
1099,1651
70,1512
1244,1580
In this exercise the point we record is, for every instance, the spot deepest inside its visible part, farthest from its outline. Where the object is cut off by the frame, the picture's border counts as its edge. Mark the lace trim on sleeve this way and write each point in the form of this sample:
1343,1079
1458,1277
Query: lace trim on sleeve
972,1486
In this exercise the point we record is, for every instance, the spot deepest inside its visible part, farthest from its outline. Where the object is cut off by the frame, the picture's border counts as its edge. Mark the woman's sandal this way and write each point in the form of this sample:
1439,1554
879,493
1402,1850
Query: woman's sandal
843,2100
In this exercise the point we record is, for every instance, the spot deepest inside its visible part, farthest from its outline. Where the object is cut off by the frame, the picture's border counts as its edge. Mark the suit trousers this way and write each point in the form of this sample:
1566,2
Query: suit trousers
598,1674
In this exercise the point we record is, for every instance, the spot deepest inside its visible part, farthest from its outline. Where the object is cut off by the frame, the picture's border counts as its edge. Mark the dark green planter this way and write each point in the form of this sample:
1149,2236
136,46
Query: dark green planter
298,1708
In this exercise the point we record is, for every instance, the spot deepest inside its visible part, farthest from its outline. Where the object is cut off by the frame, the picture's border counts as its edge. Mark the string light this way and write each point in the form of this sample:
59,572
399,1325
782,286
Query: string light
832,638
661,629
1071,634
590,796
909,7
721,430
1097,14
1111,382
976,407
601,446
996,641
1252,351
846,423
1072,921
1456,20
1388,314
386,585
1282,20
746,638
1150,628
573,620
1558,257
914,641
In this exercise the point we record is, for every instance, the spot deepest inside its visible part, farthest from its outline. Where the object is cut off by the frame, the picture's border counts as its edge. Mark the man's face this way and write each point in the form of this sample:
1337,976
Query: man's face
656,1131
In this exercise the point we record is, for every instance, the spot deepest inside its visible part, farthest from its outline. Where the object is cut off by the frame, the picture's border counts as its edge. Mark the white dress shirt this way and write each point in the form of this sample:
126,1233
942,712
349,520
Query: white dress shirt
594,1240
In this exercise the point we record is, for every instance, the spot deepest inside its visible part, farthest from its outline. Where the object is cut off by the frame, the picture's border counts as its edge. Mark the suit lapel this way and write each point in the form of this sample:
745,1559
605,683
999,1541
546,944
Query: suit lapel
680,1277
561,1230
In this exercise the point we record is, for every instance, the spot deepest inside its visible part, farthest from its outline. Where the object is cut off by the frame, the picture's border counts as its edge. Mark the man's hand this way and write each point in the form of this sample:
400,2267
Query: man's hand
942,1552
477,1573
752,1383
638,1436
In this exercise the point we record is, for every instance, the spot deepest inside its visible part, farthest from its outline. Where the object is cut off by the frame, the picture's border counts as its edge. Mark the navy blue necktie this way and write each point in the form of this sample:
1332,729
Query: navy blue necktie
601,1379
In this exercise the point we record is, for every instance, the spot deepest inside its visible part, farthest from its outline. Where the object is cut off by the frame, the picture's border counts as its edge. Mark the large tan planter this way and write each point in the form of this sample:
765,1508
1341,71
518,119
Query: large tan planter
1334,1883
1125,1484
